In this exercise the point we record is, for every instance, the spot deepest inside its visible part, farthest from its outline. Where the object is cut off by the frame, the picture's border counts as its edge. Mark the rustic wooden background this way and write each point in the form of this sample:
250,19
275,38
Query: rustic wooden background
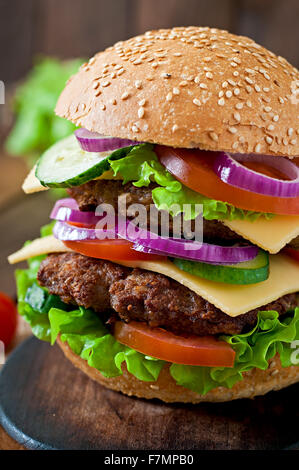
68,28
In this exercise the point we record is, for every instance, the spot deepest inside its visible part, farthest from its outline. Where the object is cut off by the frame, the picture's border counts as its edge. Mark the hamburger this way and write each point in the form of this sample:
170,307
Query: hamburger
197,130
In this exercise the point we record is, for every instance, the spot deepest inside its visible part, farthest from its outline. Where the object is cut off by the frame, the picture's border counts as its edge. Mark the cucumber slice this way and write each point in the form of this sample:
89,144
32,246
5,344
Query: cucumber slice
249,272
65,164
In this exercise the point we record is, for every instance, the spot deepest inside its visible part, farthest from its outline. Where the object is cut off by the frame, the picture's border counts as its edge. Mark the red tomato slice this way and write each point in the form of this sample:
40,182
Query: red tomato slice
8,319
292,252
113,250
194,168
161,344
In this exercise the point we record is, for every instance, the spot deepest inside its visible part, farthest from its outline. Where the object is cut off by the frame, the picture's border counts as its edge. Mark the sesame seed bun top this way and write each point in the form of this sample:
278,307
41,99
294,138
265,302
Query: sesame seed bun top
189,87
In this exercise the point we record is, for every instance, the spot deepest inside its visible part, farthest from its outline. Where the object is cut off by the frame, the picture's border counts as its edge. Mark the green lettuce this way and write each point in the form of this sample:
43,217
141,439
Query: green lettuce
88,337
37,127
141,165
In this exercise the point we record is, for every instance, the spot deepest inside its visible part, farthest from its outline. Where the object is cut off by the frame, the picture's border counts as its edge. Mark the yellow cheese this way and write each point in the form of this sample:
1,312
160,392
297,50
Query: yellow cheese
32,184
271,235
234,300
39,246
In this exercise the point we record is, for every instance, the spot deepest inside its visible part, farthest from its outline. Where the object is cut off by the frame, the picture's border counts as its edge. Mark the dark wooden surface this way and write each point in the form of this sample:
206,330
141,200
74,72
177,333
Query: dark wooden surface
77,28
49,404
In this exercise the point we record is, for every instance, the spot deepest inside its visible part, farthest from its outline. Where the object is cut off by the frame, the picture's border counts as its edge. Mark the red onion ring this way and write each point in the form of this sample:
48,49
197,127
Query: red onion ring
145,241
67,210
94,142
231,171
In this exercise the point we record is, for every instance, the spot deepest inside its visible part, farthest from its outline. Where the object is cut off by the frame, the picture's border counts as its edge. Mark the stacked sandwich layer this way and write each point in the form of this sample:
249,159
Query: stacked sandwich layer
174,260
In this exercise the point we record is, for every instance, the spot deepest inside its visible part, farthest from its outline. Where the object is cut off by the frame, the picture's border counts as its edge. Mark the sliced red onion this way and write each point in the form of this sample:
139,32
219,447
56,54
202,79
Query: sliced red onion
149,242
186,249
67,210
231,171
66,232
94,142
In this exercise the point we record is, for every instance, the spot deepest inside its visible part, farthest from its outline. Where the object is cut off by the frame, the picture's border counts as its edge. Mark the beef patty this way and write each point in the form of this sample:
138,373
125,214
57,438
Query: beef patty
96,192
136,294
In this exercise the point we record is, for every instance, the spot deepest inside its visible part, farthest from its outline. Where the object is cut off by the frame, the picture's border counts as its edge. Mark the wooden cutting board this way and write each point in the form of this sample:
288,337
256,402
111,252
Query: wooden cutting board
45,403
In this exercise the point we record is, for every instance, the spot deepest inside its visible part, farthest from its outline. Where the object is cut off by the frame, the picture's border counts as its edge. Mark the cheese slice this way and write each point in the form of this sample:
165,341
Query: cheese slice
39,246
271,235
233,300
32,184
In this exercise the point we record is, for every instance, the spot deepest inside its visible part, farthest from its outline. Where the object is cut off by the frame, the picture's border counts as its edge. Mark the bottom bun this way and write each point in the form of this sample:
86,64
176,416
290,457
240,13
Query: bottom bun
255,382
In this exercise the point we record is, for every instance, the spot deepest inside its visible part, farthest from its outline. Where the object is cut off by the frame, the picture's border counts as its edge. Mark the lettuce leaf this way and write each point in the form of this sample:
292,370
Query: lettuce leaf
142,166
87,336
37,127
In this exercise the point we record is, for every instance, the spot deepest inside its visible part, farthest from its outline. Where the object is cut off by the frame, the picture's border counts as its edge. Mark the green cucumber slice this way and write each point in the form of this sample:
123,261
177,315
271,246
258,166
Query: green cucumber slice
65,164
249,272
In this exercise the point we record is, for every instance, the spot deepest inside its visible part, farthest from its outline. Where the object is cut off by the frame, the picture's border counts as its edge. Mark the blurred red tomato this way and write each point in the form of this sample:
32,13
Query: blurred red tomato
8,319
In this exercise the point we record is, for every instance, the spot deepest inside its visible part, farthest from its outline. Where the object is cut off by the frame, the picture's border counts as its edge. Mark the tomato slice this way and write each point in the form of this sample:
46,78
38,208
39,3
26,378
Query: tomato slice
292,252
8,319
161,344
194,168
113,250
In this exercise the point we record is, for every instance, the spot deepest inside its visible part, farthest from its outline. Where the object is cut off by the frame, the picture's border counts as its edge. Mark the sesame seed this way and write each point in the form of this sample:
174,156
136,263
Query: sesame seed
293,142
249,104
248,89
236,73
113,101
237,116
268,139
228,94
221,102
120,72
169,96
138,84
267,109
165,75
290,131
270,127
214,136
209,75
248,80
235,145
224,84
239,105
141,112
98,93
236,91
135,128
231,82
281,100
103,107
257,88
285,141
176,91
183,83
142,102
220,94
257,148
83,106
203,85
154,65
113,75
177,54
95,85
197,102
232,130
105,83
175,127
275,118
197,79
125,95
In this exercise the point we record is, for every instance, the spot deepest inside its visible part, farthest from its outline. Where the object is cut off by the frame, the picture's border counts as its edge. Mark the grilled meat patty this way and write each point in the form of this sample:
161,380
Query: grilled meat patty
136,294
96,192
